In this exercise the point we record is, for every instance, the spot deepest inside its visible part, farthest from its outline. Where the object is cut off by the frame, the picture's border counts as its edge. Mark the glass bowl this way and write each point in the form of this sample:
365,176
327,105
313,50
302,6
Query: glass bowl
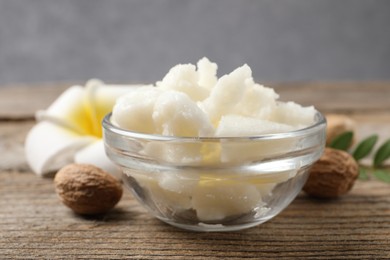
215,184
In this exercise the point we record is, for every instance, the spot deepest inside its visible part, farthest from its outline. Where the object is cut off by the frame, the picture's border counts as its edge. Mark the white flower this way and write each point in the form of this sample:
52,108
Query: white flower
70,129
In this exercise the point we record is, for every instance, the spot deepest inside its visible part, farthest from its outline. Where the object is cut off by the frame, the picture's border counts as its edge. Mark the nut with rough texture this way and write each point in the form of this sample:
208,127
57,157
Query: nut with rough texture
332,175
338,124
87,189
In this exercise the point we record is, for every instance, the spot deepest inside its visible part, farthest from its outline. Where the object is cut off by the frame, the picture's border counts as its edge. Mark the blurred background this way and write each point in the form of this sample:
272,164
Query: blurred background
139,40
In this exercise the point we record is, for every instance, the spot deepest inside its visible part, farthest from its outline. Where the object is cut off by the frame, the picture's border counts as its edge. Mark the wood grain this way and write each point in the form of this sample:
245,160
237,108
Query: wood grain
21,102
346,97
35,225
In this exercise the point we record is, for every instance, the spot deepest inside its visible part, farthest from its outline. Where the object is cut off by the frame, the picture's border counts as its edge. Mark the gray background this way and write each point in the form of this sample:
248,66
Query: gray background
138,41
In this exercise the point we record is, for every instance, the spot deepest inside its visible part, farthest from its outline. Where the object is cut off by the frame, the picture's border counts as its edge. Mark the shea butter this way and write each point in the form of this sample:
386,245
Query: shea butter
191,102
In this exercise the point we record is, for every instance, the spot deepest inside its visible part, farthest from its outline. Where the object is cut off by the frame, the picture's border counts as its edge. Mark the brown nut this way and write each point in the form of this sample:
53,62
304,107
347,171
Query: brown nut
338,124
332,175
87,189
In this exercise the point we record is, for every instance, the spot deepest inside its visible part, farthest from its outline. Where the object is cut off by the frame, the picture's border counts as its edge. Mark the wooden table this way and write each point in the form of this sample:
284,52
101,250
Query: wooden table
35,225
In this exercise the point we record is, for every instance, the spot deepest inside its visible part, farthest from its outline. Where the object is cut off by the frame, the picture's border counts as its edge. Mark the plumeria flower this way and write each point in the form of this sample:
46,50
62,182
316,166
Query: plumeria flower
70,129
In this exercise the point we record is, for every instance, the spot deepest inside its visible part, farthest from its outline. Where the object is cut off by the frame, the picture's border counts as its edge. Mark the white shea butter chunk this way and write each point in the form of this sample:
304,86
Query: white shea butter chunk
235,125
182,183
184,78
216,201
174,196
258,101
207,72
227,93
155,111
293,114
164,112
175,114
134,110
178,153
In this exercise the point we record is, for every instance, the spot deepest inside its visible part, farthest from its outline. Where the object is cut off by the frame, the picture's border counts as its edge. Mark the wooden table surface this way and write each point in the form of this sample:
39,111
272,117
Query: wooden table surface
35,225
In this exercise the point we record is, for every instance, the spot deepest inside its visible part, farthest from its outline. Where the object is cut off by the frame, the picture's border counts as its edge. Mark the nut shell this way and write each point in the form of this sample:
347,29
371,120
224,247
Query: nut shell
87,189
332,175
336,125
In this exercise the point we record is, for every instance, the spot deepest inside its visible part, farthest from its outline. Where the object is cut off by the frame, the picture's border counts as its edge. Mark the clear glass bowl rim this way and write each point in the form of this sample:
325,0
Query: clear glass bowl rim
320,122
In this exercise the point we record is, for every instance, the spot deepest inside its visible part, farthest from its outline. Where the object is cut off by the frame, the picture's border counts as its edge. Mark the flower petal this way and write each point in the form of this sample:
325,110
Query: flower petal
49,147
94,154
68,110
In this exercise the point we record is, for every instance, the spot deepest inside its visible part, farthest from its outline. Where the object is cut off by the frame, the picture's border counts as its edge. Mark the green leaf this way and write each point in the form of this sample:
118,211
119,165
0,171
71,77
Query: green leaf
365,147
382,154
343,141
363,174
382,175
